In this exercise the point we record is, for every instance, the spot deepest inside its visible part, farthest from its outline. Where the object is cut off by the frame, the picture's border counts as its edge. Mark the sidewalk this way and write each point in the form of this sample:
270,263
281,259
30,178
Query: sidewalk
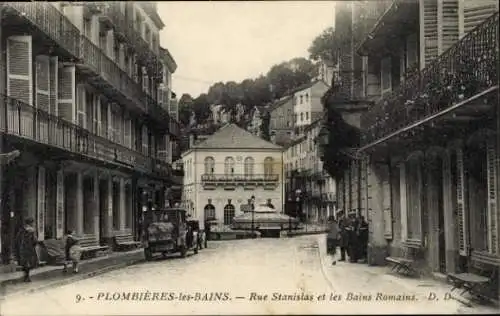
363,276
51,276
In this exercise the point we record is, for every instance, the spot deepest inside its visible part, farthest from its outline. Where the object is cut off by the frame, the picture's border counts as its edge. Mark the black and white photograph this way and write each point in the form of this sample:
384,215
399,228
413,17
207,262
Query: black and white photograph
249,157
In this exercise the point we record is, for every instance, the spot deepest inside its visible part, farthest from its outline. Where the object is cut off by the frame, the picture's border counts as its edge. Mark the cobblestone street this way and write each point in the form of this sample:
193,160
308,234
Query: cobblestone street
247,270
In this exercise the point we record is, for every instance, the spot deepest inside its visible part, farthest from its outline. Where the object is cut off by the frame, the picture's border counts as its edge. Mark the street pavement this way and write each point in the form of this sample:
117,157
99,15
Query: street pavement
259,276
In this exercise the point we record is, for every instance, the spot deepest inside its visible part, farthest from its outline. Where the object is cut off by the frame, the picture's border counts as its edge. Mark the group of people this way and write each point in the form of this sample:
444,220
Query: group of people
26,249
351,235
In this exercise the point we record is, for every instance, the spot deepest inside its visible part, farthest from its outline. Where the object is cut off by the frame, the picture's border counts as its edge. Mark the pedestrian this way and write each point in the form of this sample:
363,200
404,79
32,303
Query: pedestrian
344,235
332,238
207,232
73,251
352,240
26,242
363,237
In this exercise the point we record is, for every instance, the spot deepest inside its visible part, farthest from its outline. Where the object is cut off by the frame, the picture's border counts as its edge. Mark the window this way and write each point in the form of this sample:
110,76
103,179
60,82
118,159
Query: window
209,165
229,166
87,28
307,97
268,166
301,117
301,99
307,115
229,213
209,211
249,164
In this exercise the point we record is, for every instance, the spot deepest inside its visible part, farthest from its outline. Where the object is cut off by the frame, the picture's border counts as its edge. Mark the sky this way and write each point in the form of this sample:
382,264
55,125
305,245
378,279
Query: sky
234,40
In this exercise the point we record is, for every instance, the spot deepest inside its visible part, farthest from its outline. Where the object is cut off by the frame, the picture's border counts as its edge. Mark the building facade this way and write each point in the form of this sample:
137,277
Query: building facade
425,170
86,89
307,104
281,120
224,171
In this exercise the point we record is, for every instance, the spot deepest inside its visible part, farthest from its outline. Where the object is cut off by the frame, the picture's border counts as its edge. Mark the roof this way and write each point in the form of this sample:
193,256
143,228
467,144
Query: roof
305,86
231,136
279,103
168,59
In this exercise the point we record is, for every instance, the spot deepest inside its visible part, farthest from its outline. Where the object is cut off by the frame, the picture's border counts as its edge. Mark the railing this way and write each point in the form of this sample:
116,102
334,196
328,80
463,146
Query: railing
52,22
466,69
23,120
259,178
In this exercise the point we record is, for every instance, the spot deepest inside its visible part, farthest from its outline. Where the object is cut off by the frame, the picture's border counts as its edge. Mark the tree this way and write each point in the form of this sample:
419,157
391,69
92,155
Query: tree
201,107
264,126
324,46
185,108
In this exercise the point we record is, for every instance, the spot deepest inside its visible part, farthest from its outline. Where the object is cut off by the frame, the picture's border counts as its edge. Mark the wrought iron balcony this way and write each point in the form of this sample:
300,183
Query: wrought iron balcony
239,179
51,22
28,123
468,69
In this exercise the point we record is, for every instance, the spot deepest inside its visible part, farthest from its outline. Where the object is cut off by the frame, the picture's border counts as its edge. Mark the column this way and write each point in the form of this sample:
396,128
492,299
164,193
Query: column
123,205
60,201
376,245
449,216
433,214
109,216
41,203
79,204
95,205
30,193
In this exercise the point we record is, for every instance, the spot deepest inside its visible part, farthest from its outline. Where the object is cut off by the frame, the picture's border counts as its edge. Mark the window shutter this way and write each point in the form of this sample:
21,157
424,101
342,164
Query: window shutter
162,148
60,204
127,133
429,30
461,211
66,93
475,12
403,206
492,197
97,115
145,81
42,82
145,145
161,95
53,84
19,68
41,203
81,104
386,187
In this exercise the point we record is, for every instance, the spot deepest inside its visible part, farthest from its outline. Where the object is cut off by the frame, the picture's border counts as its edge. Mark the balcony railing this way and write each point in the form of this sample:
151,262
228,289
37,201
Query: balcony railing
240,178
25,121
466,69
52,22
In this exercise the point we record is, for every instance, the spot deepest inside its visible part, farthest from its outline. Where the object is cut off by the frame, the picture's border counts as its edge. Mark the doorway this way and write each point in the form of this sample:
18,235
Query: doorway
103,209
440,216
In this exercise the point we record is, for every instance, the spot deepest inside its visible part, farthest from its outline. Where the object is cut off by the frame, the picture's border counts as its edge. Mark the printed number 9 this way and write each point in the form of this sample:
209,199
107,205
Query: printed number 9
78,298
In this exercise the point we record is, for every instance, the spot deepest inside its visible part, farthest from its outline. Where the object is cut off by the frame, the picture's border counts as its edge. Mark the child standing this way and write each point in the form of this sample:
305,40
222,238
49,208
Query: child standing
73,251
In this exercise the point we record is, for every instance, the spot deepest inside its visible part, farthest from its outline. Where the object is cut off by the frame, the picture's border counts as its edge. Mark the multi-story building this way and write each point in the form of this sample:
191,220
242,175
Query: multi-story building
86,89
255,124
307,105
420,157
281,120
225,170
307,184
326,71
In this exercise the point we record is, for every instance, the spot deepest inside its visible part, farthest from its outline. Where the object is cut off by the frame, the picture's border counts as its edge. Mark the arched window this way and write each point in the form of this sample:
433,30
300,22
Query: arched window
229,166
209,211
249,163
209,165
228,214
268,166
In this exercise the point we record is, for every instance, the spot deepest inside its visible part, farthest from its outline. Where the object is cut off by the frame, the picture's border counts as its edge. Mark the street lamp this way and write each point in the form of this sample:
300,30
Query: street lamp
252,205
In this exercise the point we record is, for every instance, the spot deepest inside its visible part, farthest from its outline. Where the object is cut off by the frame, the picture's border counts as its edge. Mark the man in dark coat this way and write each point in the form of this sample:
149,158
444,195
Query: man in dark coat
26,241
363,237
344,237
353,243
207,232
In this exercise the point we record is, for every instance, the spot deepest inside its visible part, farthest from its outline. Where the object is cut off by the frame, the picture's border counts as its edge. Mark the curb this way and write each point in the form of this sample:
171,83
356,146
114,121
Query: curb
306,233
77,277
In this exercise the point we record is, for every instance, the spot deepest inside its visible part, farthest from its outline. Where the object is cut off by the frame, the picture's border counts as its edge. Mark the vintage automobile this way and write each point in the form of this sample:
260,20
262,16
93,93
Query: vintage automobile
167,232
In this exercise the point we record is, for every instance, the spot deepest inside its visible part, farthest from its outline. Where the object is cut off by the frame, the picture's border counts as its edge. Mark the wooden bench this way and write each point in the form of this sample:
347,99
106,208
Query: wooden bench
90,246
406,262
125,242
481,282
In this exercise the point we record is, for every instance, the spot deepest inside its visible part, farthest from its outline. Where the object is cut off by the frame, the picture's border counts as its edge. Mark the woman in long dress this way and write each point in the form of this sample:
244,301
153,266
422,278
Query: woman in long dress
26,241
73,251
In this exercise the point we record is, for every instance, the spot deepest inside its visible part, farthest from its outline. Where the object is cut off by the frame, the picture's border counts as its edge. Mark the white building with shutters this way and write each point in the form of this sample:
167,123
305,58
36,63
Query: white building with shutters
426,171
222,172
86,94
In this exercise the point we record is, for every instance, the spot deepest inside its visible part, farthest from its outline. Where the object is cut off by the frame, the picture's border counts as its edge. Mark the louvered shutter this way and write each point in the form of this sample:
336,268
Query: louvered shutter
428,31
66,93
81,106
60,204
127,133
42,95
41,203
463,244
19,83
145,80
403,206
475,12
449,30
110,125
162,148
145,145
160,96
387,205
492,197
133,135
54,67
